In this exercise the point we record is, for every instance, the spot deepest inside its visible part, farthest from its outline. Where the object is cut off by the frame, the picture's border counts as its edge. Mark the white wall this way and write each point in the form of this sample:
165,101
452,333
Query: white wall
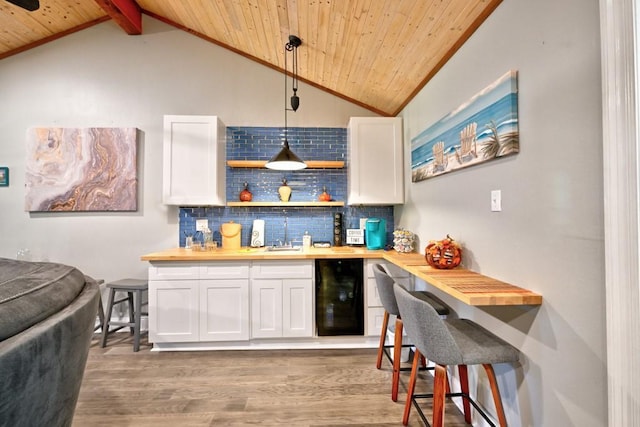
549,236
103,77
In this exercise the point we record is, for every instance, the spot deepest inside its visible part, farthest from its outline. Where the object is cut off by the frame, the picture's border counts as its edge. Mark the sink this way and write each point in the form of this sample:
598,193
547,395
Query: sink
283,248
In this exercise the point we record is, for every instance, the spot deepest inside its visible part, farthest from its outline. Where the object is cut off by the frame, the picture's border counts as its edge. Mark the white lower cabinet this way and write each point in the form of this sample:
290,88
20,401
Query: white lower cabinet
281,306
224,310
266,308
191,302
173,311
373,308
297,308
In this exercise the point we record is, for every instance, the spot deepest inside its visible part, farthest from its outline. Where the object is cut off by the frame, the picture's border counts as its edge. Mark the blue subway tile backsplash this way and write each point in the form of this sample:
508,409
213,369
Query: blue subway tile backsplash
260,143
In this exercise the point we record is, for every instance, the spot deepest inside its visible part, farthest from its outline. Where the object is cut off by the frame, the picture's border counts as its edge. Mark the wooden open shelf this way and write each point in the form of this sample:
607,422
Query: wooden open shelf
284,204
311,164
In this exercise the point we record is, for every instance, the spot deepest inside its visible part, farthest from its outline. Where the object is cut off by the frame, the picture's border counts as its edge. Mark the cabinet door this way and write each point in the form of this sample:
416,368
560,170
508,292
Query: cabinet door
375,315
266,308
373,297
297,308
173,311
193,161
376,161
224,310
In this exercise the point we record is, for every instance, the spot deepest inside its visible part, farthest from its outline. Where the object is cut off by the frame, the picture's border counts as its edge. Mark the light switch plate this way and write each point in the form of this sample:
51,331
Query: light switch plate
202,224
496,201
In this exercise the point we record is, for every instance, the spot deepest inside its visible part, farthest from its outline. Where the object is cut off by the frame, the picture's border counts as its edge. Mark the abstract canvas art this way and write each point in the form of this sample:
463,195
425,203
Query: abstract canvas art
482,129
81,169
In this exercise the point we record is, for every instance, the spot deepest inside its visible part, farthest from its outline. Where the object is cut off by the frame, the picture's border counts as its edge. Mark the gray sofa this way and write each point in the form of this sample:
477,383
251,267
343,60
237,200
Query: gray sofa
47,316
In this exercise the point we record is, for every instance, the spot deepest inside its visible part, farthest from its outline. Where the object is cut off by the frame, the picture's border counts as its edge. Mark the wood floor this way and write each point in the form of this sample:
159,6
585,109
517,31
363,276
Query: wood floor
239,388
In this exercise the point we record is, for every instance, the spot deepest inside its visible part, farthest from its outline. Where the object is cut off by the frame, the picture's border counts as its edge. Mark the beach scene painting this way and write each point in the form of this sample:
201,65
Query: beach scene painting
482,129
81,169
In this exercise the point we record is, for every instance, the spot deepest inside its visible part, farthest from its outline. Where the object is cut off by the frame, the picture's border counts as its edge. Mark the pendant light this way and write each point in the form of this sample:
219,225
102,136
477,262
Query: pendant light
286,159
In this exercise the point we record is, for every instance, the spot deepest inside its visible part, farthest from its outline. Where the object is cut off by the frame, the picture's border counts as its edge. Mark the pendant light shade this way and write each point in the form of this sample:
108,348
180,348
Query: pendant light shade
286,160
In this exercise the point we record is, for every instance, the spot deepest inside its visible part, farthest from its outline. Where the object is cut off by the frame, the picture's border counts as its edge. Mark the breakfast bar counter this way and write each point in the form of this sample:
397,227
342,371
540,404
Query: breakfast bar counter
469,287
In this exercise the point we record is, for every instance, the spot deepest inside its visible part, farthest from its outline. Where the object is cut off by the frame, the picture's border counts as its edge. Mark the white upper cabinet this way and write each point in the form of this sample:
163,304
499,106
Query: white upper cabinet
194,154
375,163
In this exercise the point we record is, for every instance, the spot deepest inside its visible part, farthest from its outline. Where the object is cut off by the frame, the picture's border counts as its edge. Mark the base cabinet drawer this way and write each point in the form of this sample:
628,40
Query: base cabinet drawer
282,269
174,271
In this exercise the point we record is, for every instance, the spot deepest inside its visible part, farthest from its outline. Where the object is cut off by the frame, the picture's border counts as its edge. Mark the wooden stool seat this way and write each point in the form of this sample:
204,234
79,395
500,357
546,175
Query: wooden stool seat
134,289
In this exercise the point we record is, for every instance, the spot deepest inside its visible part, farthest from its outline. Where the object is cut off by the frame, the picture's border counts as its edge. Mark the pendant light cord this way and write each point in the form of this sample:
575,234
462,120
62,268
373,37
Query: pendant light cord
287,47
294,79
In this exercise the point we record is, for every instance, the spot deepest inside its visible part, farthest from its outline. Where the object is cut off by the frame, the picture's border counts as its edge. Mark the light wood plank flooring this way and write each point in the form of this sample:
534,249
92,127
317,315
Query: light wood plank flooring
318,388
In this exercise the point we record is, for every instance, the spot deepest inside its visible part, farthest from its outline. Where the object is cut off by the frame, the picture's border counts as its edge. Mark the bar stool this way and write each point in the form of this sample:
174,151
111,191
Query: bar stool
384,284
132,287
98,282
450,342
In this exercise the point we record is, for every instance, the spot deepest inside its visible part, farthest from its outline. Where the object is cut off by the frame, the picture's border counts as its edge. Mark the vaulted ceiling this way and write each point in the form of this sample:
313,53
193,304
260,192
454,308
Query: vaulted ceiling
375,53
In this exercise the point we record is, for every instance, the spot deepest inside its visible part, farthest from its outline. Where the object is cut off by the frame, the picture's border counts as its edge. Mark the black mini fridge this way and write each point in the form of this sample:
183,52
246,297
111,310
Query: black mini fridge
339,297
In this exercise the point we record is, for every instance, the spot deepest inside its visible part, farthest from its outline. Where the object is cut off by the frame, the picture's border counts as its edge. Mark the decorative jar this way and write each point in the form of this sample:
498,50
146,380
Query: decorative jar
245,195
284,191
403,240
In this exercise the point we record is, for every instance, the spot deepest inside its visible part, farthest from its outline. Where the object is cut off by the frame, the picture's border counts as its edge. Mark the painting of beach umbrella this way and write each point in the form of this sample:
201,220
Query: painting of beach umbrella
482,129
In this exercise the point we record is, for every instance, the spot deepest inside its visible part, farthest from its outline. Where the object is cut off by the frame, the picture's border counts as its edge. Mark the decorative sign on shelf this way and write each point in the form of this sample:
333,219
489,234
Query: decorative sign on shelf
73,169
482,129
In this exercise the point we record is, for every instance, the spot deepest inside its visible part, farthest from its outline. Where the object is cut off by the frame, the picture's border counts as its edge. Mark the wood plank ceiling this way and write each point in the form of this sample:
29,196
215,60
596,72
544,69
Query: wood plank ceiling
375,53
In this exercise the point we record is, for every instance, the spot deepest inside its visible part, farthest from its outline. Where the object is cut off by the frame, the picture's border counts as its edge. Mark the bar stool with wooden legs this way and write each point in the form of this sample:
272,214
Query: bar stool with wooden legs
450,342
134,289
384,283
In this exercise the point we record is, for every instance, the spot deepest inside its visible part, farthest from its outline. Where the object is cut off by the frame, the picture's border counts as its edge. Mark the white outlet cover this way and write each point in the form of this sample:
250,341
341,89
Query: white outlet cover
363,223
202,224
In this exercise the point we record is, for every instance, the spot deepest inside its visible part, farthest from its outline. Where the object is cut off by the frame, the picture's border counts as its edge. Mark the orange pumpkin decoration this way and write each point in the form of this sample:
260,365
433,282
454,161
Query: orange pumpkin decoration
444,253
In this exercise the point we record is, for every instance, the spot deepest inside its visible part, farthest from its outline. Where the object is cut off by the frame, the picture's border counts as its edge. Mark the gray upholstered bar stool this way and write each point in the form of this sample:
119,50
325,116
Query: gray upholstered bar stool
451,342
134,289
384,283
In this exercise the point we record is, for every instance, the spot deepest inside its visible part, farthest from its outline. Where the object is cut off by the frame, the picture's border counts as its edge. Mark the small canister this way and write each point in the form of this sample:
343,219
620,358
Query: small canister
230,232
306,240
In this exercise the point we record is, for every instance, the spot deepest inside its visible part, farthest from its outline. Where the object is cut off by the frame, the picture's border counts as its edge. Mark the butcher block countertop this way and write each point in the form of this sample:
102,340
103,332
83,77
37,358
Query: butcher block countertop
467,286
252,254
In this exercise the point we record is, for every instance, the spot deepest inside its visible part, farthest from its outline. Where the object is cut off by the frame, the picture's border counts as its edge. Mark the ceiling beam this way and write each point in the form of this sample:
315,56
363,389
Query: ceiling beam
126,13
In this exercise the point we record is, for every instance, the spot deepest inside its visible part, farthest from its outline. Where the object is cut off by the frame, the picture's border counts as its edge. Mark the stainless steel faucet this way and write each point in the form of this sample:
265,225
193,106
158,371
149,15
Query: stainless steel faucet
285,227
